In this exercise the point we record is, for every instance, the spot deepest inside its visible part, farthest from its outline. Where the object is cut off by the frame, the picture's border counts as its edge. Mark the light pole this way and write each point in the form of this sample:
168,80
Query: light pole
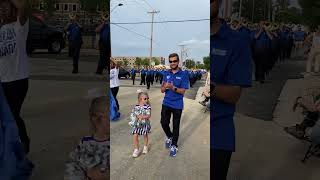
152,15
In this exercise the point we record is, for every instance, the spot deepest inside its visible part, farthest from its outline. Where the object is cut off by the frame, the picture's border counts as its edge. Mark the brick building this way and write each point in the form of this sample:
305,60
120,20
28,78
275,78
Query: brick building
132,60
62,10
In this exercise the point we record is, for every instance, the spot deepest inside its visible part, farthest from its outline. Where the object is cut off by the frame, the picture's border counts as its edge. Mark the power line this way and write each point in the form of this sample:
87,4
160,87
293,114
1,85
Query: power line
148,4
136,33
162,22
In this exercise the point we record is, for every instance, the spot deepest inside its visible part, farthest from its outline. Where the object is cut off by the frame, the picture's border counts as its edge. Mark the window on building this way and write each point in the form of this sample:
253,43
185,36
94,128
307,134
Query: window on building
66,7
41,6
74,7
57,7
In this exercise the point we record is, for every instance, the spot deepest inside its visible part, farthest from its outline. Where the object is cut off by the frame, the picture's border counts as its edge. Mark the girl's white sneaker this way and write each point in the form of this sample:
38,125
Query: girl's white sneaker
135,153
145,150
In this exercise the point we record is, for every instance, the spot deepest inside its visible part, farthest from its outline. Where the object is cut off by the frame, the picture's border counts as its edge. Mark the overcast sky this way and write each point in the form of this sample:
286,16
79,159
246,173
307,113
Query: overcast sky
168,36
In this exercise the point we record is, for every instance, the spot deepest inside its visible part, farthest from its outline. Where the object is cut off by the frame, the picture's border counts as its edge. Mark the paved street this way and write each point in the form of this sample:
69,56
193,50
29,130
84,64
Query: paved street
192,161
55,110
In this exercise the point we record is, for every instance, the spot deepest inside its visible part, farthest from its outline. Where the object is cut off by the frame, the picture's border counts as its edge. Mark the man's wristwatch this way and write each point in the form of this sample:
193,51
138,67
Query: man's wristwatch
175,89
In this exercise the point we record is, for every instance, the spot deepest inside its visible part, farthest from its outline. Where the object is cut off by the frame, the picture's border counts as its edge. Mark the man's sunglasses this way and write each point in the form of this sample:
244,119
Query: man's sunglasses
173,61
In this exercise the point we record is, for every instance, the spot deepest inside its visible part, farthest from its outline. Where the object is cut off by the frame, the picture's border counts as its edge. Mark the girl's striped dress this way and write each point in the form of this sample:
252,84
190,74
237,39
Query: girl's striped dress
142,127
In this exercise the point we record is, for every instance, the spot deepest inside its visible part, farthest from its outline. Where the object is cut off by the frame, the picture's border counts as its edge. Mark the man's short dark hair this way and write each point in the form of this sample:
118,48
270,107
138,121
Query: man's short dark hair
174,55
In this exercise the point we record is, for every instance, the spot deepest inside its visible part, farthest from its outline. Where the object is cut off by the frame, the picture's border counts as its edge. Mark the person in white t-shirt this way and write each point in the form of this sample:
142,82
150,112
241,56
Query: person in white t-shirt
114,80
314,54
14,69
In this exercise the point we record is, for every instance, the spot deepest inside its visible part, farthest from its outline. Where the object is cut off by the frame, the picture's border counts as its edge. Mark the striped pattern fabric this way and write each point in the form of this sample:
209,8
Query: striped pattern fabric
140,127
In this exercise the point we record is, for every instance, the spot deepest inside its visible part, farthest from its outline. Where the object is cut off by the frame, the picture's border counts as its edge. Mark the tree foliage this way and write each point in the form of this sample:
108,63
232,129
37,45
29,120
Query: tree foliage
189,63
138,62
310,12
206,62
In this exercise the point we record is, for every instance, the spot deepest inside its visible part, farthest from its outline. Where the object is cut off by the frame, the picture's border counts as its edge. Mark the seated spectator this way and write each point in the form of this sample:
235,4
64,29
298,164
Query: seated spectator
206,94
312,110
90,160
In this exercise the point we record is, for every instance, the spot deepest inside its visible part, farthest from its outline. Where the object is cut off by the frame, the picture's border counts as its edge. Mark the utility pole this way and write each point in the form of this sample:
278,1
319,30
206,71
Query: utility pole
182,52
252,11
240,9
152,14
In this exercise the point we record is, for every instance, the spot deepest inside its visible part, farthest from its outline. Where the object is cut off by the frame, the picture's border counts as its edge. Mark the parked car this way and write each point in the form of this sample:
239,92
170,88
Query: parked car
124,73
43,36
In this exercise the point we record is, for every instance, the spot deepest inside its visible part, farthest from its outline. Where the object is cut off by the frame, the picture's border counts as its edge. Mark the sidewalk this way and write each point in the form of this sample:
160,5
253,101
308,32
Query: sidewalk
264,151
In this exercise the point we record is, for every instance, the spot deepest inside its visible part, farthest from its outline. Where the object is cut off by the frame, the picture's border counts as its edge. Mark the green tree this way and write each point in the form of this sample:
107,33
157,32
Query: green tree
146,62
156,61
120,63
206,61
310,12
291,15
138,62
189,63
125,62
254,10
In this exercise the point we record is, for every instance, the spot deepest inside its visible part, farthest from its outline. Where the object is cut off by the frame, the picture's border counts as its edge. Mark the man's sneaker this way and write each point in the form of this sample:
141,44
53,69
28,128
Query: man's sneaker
145,150
295,131
135,153
168,142
173,151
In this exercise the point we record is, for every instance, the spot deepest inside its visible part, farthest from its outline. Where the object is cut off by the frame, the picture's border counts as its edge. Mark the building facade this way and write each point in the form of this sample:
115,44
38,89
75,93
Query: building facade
225,8
62,10
132,60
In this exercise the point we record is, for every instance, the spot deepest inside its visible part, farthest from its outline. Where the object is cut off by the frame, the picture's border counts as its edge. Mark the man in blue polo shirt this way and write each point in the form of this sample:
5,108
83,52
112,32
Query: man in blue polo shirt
104,43
133,74
230,72
175,83
75,41
143,76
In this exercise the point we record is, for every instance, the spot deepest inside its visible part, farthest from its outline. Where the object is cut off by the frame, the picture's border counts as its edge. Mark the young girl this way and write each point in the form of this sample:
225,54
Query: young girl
90,160
140,123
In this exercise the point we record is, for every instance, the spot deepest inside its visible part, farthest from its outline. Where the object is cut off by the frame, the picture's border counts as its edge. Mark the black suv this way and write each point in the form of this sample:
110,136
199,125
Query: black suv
123,73
42,36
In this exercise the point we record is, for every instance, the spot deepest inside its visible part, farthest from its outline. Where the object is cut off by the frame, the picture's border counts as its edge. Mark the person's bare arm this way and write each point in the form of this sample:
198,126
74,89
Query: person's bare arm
228,94
269,35
309,105
99,28
21,6
179,90
258,34
163,87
